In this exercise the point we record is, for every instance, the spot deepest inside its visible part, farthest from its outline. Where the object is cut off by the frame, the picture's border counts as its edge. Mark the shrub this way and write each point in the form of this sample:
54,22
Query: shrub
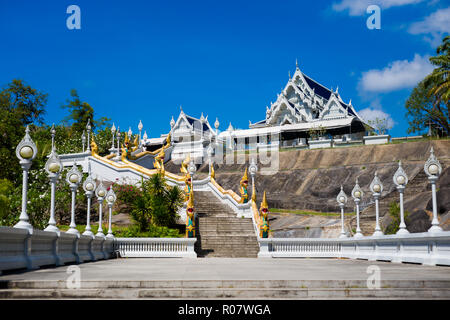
394,213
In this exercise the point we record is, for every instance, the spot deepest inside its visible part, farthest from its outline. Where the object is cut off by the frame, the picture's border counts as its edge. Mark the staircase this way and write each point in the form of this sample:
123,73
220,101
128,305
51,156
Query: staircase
219,232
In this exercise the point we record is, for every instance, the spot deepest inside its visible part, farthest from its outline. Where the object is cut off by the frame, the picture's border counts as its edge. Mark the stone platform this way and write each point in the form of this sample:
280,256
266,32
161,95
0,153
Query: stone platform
230,278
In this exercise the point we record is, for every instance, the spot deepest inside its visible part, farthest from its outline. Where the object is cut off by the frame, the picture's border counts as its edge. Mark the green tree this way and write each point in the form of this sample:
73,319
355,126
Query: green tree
20,105
157,205
429,100
80,112
439,79
394,213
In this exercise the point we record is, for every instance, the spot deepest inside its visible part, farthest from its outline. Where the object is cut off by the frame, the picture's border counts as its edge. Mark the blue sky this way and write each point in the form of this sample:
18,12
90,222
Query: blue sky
140,60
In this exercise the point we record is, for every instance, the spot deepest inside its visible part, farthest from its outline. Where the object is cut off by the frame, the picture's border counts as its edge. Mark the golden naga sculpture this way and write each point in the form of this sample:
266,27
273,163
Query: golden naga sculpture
185,163
94,147
213,173
244,188
264,212
143,153
159,161
187,186
190,217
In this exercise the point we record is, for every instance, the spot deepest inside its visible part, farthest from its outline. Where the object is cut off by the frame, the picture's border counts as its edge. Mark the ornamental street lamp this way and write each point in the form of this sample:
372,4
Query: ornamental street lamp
377,188
118,141
26,151
88,129
130,133
89,186
83,140
401,180
140,126
110,198
74,178
253,168
342,200
100,192
433,169
357,194
113,131
191,169
53,166
216,125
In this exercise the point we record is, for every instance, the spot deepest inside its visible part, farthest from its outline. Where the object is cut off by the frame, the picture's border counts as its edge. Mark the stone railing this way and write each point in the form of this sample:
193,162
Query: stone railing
424,248
155,247
21,249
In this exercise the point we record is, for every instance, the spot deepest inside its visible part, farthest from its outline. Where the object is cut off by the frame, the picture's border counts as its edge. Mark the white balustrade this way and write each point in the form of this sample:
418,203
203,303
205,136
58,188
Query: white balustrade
155,247
22,249
423,248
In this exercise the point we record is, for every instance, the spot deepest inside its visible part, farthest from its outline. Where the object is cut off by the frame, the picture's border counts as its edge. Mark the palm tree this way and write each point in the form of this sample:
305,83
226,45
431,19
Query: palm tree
439,79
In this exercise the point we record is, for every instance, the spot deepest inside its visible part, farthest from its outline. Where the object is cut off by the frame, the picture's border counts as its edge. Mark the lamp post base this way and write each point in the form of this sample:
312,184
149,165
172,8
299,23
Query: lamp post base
73,231
100,234
88,233
378,233
52,228
435,228
402,231
343,235
358,235
24,225
110,236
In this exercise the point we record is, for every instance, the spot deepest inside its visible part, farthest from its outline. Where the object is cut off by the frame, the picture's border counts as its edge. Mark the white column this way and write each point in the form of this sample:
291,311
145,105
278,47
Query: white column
110,233
72,216
343,235
100,212
358,229
435,222
378,231
88,231
402,226
52,222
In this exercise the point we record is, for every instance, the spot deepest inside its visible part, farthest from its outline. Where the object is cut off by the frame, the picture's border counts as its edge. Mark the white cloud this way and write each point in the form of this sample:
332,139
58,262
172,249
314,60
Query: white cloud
436,24
358,7
372,113
397,75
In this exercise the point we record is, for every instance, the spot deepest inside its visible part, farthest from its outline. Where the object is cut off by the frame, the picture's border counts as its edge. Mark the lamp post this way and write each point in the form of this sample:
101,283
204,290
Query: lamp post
401,180
110,198
377,188
53,166
191,169
342,200
140,126
216,125
433,169
74,178
357,194
89,186
100,192
26,151
130,133
118,141
88,129
83,140
253,168
113,131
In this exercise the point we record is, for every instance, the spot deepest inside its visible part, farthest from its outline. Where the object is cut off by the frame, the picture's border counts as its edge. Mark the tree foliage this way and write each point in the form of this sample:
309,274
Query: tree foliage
429,101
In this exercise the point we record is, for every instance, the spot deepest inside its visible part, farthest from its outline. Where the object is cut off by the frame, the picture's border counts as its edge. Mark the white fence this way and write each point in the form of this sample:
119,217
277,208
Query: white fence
20,249
155,247
423,248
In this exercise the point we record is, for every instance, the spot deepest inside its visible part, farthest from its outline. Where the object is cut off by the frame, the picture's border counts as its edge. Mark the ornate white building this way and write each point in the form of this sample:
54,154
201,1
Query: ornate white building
305,114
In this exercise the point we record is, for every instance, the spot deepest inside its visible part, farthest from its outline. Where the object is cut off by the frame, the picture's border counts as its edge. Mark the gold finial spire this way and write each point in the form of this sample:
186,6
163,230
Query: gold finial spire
245,177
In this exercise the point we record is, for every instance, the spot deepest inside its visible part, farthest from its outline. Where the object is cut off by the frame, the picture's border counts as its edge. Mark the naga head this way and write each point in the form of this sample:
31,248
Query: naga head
264,209
244,180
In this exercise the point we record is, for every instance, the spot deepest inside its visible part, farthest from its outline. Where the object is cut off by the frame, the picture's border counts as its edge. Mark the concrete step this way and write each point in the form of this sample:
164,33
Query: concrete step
226,289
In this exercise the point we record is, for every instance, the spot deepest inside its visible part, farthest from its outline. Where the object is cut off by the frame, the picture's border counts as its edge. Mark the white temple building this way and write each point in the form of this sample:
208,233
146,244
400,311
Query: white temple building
306,114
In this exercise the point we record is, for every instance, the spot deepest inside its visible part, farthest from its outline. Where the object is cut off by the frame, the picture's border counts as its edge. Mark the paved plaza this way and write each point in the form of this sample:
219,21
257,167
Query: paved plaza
142,269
